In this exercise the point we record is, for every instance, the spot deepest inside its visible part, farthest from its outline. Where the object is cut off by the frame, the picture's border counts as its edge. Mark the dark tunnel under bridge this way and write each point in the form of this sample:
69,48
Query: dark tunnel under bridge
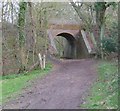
69,51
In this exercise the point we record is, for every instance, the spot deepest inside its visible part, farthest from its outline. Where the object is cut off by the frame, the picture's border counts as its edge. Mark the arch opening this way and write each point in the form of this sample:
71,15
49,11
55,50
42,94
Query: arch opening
66,46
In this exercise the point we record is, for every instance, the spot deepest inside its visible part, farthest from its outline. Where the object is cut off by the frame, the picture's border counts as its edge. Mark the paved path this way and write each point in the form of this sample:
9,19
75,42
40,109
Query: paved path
64,88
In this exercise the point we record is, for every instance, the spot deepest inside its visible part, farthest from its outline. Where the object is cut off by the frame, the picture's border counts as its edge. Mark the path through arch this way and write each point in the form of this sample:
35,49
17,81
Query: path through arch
65,44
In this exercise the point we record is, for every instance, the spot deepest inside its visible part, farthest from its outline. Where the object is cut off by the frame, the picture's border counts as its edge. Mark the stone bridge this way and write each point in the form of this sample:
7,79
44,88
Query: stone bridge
79,45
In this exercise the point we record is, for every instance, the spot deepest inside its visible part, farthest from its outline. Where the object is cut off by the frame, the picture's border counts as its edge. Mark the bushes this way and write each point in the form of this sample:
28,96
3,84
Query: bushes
109,42
109,48
109,45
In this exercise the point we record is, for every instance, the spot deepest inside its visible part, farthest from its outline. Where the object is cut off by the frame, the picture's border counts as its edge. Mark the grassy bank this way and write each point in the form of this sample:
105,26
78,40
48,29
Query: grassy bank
104,92
12,84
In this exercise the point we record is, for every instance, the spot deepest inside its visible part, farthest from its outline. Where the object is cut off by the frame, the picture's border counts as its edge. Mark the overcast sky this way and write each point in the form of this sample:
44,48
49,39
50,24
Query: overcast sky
61,0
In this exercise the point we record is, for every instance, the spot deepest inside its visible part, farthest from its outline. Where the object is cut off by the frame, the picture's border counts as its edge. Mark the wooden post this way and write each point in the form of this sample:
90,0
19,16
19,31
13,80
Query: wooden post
44,60
40,59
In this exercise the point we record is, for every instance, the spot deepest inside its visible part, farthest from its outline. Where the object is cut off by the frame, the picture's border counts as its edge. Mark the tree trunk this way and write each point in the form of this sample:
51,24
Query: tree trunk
21,25
101,38
100,20
33,29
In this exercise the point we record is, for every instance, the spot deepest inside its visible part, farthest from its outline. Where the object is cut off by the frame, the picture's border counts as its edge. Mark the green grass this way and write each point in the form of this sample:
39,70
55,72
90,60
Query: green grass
13,84
104,92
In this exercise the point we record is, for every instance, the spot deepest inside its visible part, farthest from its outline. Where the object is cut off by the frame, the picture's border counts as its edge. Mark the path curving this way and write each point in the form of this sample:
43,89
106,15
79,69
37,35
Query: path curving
65,87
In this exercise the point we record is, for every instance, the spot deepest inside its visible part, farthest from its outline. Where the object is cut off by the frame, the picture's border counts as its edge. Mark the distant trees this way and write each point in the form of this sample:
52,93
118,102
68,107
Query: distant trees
96,10
26,35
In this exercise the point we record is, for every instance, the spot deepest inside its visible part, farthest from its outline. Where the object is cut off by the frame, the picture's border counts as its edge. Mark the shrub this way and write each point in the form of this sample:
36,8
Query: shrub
109,45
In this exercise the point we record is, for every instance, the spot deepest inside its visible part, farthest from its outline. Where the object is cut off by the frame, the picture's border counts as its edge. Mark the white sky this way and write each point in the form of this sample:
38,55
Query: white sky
60,0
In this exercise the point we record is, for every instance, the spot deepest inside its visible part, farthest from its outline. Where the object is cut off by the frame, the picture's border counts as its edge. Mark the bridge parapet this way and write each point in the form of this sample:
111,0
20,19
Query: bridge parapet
64,26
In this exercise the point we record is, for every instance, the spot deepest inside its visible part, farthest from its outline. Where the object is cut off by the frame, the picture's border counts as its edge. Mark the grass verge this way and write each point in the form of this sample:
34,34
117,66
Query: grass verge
12,84
104,92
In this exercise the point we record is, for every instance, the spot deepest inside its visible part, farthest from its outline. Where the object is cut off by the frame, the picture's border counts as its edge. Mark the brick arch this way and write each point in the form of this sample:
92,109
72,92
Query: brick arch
68,36
70,50
55,32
